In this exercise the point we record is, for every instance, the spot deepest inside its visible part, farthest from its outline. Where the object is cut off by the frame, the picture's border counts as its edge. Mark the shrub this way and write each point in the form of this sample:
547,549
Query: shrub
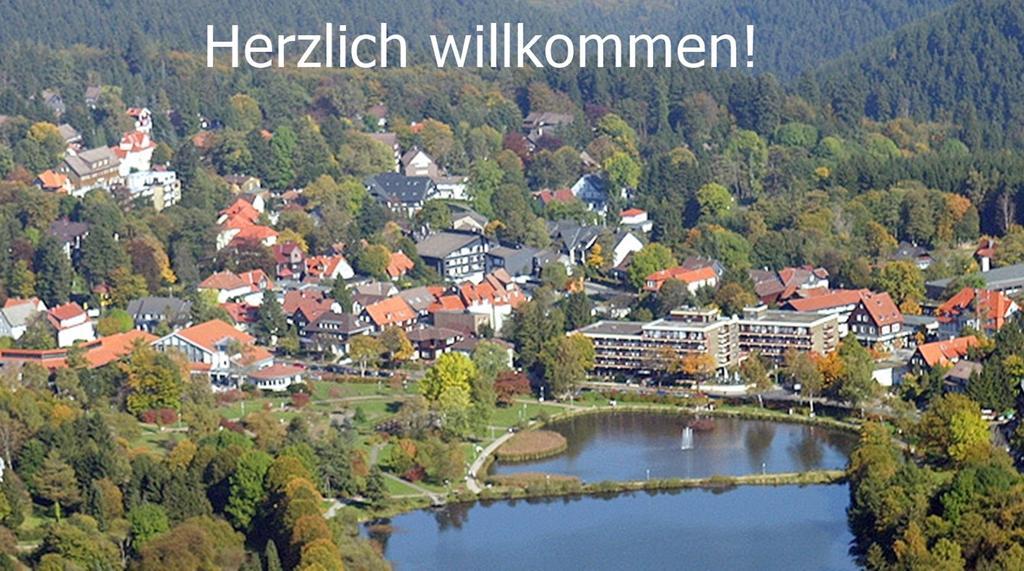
300,400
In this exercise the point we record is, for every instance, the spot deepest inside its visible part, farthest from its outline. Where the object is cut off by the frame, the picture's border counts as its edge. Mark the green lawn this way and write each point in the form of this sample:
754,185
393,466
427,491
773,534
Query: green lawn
396,488
234,411
521,411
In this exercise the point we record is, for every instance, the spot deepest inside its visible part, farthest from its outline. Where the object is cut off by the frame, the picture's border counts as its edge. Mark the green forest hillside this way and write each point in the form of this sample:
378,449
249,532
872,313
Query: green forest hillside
792,36
965,65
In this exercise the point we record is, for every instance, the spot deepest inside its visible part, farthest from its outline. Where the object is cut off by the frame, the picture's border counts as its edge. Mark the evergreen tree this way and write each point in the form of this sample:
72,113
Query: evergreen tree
53,273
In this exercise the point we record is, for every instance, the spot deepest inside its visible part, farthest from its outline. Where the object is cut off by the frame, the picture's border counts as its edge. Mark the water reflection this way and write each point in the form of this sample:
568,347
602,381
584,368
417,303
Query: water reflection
624,446
762,528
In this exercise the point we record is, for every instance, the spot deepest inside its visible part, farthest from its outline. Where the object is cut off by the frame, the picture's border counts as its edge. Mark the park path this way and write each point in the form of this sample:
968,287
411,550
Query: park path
471,480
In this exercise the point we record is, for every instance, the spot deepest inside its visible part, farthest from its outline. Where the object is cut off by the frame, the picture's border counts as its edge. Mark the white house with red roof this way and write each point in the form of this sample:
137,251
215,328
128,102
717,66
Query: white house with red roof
71,324
694,279
217,349
239,222
636,218
247,287
135,151
277,377
327,268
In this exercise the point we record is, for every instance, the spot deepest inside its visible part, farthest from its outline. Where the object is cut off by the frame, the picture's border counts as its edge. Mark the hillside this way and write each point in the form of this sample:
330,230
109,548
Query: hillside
827,29
965,64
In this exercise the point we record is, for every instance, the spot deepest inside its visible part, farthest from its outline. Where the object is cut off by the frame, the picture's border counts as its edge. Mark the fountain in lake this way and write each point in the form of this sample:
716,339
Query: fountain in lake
687,442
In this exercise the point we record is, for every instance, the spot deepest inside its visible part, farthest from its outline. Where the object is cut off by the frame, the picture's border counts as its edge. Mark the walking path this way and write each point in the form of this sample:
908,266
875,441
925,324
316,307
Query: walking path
471,480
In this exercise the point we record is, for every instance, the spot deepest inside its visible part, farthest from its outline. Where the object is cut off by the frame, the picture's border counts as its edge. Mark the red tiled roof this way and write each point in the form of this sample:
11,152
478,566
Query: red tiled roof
223,281
992,307
632,212
113,347
399,264
945,352
320,266
16,301
254,233
52,181
67,311
390,311
241,312
682,274
882,309
561,195
829,299
208,334
241,208
447,303
276,371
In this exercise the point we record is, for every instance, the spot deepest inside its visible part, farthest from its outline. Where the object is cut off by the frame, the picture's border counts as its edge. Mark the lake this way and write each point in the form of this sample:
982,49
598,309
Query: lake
751,527
623,446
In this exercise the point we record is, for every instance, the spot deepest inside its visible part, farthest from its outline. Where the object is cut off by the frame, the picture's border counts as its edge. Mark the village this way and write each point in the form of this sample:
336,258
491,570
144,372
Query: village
480,281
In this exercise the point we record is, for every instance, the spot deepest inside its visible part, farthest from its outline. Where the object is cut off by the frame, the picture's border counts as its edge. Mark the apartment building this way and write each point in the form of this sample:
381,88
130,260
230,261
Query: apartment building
634,348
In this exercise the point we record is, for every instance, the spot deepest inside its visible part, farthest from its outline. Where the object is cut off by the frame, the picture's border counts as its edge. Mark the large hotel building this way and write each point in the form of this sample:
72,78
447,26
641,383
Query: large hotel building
627,347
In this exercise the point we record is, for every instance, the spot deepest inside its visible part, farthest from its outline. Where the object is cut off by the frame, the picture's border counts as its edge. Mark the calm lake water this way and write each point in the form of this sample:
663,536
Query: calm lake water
754,527
747,528
624,446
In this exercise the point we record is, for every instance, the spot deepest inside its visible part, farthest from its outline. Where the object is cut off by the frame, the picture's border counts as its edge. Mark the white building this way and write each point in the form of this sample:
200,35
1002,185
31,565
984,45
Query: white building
162,188
72,324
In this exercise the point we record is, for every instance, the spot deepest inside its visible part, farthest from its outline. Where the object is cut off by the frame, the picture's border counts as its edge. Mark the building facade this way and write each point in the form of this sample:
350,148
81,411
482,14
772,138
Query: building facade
634,348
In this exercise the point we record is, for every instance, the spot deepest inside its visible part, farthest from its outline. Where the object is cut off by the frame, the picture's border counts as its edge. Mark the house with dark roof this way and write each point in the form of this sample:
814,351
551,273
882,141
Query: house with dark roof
517,261
332,331
777,287
401,194
466,219
573,240
456,256
431,342
149,312
70,235
290,260
1007,279
537,124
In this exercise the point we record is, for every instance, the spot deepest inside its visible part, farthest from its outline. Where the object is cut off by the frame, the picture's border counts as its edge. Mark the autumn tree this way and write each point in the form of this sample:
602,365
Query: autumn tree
154,380
448,387
756,375
567,360
802,370
366,351
397,345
